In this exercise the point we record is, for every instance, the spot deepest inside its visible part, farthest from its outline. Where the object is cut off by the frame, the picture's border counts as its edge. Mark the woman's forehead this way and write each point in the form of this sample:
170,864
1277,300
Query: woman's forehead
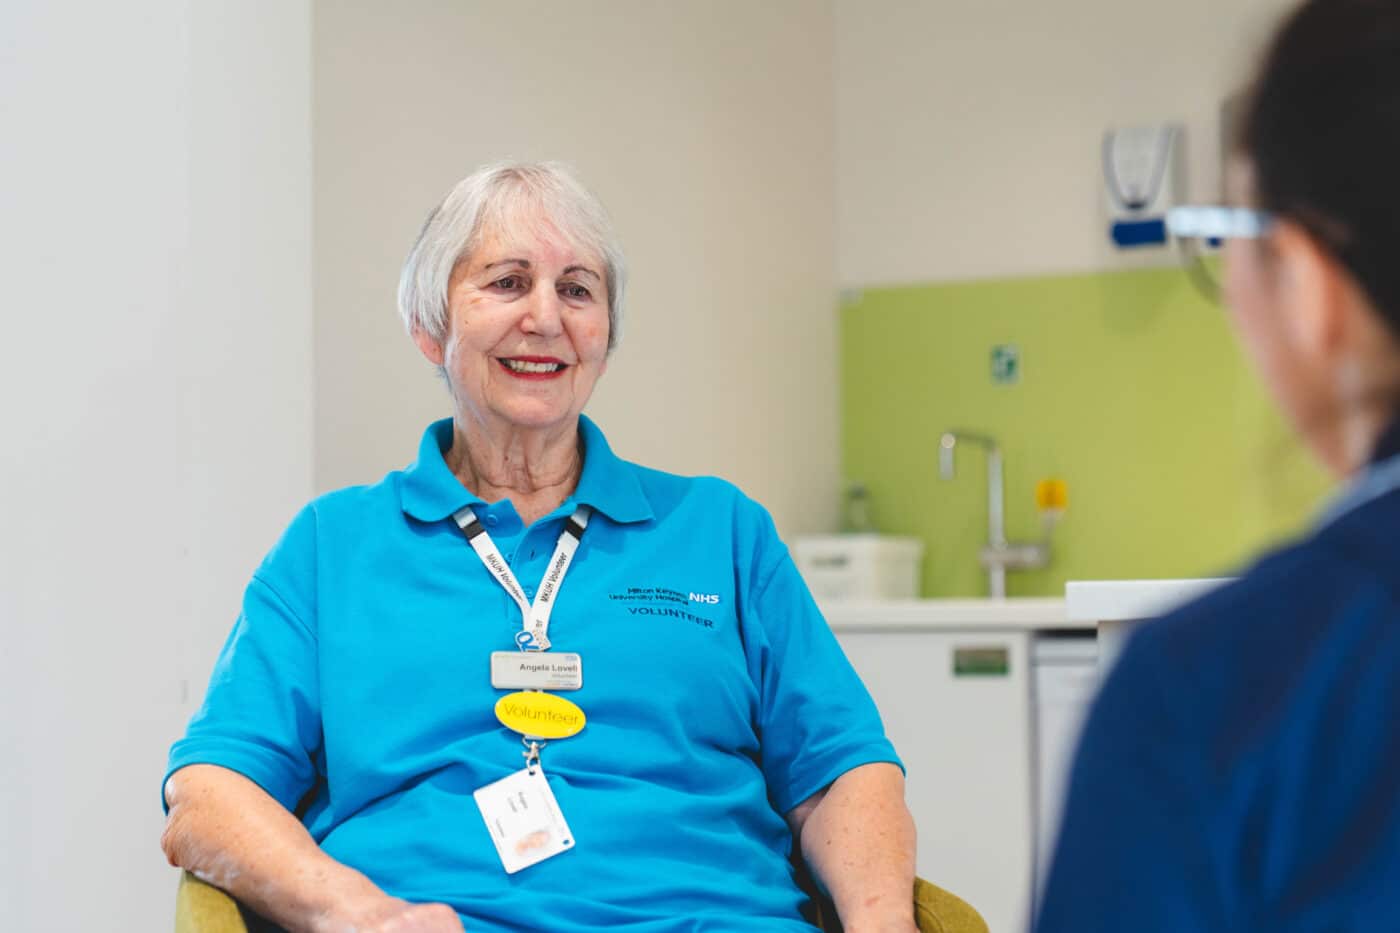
530,233
536,245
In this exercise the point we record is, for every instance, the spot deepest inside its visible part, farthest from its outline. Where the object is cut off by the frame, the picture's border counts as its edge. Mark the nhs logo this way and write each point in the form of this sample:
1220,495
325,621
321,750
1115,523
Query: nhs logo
710,599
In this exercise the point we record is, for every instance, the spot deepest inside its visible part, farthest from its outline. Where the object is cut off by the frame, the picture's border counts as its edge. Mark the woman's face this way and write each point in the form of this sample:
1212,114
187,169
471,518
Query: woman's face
1277,293
527,333
1249,293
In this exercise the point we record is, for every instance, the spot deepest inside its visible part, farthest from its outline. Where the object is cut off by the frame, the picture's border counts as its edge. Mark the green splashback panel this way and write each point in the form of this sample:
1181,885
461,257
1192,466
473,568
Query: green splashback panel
1131,389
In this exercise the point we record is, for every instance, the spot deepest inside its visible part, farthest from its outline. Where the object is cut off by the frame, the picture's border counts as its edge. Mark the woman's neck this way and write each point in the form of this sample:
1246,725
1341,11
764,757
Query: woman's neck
535,468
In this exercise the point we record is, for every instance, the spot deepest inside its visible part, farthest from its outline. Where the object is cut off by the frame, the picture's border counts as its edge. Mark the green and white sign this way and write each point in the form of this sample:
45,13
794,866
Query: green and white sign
1006,364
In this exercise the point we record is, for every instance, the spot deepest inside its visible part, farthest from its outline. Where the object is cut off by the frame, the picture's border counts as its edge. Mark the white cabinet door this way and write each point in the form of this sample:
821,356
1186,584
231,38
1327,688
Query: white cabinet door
957,707
1066,678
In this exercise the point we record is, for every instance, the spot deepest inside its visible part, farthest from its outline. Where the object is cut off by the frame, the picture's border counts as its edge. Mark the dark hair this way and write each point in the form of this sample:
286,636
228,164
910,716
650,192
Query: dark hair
1321,126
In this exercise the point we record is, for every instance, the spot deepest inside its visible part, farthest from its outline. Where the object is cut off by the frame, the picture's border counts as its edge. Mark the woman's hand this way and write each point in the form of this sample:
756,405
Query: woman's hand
226,830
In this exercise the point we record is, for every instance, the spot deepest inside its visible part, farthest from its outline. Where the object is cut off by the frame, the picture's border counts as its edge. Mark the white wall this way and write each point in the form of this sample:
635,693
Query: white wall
155,378
968,131
707,130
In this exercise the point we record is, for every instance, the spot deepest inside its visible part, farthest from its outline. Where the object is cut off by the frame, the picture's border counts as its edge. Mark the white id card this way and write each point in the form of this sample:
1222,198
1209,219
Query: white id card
536,670
523,819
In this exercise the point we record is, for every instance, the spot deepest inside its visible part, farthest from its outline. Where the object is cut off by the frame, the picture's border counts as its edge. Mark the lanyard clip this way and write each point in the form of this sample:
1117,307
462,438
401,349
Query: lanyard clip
532,753
527,640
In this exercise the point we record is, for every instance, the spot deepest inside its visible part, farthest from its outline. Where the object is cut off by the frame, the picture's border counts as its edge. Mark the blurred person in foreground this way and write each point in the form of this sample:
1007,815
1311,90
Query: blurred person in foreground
384,744
1241,768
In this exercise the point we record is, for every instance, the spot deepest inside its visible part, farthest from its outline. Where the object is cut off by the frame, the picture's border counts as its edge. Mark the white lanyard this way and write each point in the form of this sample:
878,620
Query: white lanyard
534,626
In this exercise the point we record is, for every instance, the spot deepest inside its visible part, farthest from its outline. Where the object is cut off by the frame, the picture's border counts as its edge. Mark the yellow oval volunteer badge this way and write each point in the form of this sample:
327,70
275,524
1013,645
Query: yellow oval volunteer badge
540,714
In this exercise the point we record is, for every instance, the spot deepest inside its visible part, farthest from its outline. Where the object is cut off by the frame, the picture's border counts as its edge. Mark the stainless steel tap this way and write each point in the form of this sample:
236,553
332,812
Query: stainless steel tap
998,555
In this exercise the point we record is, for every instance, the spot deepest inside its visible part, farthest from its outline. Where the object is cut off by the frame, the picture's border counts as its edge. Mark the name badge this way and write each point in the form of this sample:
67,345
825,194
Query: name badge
524,819
535,670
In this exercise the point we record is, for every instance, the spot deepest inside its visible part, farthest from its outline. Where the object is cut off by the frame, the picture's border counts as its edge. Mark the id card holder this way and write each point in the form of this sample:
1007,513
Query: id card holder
523,819
536,670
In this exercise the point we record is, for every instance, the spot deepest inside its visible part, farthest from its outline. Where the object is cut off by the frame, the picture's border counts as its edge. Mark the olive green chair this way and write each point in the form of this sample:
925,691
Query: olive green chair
202,908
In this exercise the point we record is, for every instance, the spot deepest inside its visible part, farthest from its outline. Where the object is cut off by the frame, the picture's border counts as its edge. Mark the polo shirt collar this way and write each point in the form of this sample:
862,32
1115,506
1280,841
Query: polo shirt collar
430,492
609,484
1380,478
1388,445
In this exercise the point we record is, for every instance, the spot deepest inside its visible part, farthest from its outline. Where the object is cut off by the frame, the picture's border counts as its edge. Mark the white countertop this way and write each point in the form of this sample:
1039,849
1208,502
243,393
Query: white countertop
1085,605
1014,614
1120,600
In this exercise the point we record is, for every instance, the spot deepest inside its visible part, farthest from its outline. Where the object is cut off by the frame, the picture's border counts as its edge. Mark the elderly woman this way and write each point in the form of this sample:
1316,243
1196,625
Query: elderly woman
361,762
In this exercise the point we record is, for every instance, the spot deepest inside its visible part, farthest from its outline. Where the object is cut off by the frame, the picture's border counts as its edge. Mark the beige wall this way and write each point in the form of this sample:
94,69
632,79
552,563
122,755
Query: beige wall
155,376
707,130
968,131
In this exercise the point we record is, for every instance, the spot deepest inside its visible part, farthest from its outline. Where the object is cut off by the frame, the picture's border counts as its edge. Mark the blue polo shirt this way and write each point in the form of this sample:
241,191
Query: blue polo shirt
1240,770
717,697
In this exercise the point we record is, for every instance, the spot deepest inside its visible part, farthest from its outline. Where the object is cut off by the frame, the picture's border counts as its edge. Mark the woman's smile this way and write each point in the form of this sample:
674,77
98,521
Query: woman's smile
533,367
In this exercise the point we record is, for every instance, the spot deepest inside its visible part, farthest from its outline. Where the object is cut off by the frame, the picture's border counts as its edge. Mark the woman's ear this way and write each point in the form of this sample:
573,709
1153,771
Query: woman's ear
1311,287
429,346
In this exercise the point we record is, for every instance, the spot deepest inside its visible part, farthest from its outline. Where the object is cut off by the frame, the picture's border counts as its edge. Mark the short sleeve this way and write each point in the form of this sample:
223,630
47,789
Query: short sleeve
1134,851
816,719
261,714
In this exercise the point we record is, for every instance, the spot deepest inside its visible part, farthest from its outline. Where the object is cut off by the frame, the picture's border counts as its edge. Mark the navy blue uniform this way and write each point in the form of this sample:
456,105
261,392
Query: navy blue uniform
1241,768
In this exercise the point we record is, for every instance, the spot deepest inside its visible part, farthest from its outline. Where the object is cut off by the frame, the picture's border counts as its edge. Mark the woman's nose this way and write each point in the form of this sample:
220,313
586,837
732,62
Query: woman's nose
543,313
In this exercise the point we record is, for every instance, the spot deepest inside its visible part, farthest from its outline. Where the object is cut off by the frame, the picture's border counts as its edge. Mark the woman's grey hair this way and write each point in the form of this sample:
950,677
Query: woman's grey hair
488,201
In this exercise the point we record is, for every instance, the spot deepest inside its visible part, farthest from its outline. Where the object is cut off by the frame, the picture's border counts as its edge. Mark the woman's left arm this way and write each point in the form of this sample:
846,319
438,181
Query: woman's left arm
858,839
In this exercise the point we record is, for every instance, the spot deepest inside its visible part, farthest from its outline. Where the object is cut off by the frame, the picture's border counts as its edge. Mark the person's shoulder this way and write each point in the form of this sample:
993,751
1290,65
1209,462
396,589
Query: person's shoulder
718,511
356,497
670,494
1254,674
1193,674
667,491
1295,588
1363,539
1289,627
1264,600
350,510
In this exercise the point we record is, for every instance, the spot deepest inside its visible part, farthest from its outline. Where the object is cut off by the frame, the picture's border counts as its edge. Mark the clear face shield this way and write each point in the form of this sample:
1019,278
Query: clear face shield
1199,230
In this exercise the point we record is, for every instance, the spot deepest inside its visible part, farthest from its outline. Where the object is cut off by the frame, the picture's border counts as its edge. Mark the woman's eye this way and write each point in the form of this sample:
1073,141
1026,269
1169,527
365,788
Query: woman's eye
574,290
508,282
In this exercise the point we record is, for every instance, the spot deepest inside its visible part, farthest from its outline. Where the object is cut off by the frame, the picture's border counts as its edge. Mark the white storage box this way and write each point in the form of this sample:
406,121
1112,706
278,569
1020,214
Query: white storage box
860,566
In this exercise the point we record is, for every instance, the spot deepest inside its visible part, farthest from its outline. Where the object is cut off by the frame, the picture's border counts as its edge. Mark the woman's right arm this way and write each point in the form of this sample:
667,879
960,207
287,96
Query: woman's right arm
227,831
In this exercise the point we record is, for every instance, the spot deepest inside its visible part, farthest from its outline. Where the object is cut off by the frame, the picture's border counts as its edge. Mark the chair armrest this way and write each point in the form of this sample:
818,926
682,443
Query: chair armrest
935,911
203,908
940,911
